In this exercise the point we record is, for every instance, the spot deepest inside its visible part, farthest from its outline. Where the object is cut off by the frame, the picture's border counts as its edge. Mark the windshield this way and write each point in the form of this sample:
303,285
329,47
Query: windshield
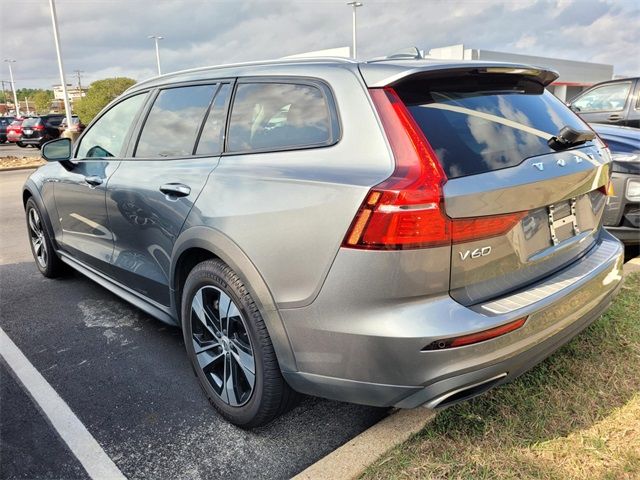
476,131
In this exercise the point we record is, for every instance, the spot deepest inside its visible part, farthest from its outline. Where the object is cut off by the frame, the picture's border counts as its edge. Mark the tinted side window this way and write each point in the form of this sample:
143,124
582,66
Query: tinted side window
106,137
212,136
174,121
272,116
607,98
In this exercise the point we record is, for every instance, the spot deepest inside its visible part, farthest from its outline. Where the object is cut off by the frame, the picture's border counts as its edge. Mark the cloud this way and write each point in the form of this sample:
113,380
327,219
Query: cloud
109,37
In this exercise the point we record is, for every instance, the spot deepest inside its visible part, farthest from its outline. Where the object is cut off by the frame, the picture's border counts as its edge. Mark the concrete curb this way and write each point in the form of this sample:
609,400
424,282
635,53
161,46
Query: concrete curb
350,460
13,169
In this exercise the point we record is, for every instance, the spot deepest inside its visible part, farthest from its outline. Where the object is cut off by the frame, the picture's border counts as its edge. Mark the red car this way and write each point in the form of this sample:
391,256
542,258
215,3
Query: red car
14,131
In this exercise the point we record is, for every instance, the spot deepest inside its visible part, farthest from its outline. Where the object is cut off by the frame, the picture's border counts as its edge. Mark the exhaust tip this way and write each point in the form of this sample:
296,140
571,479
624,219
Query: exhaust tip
464,393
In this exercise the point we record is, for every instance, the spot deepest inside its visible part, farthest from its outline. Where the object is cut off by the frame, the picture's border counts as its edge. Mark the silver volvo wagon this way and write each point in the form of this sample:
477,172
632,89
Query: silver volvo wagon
394,233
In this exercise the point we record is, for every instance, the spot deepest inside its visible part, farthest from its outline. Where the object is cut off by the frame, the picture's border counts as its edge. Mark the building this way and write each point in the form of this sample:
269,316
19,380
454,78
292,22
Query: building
73,92
574,76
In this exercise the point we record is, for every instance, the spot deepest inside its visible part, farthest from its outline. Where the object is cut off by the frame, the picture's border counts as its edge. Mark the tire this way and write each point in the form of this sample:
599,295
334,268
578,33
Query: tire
42,248
210,286
21,145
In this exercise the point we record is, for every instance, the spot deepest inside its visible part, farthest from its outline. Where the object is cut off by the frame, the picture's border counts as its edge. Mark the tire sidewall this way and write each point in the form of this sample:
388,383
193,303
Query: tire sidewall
216,277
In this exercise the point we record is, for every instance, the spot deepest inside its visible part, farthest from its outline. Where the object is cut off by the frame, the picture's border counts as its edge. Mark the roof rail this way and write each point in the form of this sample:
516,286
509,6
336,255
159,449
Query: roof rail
278,61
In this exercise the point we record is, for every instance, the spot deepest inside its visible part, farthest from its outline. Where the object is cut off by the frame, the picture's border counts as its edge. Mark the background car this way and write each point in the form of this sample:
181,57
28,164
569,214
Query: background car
622,213
4,123
616,102
76,124
38,130
14,130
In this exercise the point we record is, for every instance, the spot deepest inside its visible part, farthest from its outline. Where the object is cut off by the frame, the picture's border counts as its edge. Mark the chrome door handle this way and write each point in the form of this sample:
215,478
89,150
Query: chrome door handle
93,180
175,189
615,116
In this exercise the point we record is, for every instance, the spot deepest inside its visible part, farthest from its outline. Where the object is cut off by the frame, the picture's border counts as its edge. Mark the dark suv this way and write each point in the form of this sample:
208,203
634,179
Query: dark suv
38,130
615,102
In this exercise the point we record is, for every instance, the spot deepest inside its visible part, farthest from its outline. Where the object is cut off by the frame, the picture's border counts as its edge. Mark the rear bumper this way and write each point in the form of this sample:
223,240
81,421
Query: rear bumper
377,359
32,141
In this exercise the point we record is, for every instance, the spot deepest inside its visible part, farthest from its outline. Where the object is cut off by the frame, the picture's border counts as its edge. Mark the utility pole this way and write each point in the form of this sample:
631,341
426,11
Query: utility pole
77,73
355,5
56,38
13,85
157,38
26,100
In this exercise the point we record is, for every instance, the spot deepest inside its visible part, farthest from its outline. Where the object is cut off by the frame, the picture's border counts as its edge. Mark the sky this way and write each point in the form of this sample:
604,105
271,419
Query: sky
107,38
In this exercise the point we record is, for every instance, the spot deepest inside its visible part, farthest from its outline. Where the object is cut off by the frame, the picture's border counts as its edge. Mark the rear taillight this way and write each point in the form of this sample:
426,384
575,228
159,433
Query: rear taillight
404,211
407,209
38,127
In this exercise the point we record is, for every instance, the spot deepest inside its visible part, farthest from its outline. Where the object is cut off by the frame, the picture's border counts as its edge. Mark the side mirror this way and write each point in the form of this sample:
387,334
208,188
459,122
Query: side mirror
58,150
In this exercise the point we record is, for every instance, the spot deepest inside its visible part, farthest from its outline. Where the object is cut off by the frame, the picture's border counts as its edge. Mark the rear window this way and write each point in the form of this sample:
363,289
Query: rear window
31,122
476,125
279,116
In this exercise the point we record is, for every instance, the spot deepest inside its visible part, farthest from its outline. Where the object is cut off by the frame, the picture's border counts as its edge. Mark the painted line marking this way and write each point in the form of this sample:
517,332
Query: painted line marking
81,443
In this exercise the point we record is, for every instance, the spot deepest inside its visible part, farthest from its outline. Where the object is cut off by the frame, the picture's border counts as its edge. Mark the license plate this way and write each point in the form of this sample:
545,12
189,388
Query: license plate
28,131
561,216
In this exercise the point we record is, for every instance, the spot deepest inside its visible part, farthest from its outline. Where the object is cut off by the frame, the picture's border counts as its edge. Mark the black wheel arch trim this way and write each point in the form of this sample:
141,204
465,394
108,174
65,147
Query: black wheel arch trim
228,251
31,188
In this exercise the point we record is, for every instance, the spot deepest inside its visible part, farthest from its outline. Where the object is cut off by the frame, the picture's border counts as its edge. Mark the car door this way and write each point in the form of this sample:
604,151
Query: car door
152,192
79,191
604,104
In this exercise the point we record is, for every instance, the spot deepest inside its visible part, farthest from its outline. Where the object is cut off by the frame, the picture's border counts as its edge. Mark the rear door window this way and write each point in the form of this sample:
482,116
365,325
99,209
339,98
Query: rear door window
476,127
174,122
280,116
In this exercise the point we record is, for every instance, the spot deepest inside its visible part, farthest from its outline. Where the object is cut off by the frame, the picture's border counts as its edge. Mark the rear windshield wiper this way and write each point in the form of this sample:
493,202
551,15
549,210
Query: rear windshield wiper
568,137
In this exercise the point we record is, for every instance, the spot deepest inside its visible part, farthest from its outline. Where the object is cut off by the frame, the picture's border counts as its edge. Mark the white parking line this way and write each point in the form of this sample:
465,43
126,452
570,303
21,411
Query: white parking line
81,443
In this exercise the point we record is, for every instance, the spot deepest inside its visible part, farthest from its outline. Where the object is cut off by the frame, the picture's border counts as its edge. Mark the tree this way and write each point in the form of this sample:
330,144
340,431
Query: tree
100,93
42,100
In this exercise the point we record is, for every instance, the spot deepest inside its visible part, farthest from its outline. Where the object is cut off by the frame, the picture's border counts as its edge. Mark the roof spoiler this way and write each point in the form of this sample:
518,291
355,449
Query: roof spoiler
383,74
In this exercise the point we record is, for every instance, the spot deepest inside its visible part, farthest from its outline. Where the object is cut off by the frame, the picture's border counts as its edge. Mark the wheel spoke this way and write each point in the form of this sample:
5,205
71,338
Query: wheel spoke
197,307
33,224
206,358
231,385
246,363
223,308
37,245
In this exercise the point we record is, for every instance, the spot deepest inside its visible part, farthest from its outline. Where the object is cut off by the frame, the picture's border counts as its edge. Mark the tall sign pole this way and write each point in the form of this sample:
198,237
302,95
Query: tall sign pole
56,37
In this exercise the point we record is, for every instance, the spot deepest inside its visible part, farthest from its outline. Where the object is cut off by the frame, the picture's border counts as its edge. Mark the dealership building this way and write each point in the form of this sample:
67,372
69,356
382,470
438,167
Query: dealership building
574,76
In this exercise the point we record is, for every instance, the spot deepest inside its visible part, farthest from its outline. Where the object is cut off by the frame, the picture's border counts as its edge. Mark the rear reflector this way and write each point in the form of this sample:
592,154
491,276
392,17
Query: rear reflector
476,337
469,229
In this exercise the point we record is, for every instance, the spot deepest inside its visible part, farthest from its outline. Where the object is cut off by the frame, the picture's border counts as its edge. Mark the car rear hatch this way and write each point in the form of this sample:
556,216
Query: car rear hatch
518,208
32,128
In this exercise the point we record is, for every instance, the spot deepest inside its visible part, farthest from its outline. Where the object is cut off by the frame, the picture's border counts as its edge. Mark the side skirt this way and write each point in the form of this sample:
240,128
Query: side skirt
154,309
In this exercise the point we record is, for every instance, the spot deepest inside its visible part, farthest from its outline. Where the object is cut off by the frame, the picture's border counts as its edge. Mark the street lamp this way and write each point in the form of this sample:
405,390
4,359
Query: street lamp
156,39
13,85
56,39
355,5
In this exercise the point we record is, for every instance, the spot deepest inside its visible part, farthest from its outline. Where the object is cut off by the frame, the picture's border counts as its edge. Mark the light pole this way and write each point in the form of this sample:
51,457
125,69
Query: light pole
355,5
13,85
156,39
56,38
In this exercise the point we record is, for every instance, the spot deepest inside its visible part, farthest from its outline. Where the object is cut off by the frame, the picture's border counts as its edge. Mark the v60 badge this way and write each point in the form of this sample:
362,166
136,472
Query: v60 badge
476,253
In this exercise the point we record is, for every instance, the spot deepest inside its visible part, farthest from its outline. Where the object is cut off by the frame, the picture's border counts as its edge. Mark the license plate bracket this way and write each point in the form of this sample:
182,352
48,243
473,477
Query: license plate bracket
556,224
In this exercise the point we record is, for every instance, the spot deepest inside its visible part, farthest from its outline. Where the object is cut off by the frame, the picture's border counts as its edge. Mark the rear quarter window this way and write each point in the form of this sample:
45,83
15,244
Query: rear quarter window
280,116
477,127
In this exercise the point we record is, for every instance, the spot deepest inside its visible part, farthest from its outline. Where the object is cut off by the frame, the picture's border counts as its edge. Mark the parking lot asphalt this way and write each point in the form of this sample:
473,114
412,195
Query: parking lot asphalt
127,378
12,150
